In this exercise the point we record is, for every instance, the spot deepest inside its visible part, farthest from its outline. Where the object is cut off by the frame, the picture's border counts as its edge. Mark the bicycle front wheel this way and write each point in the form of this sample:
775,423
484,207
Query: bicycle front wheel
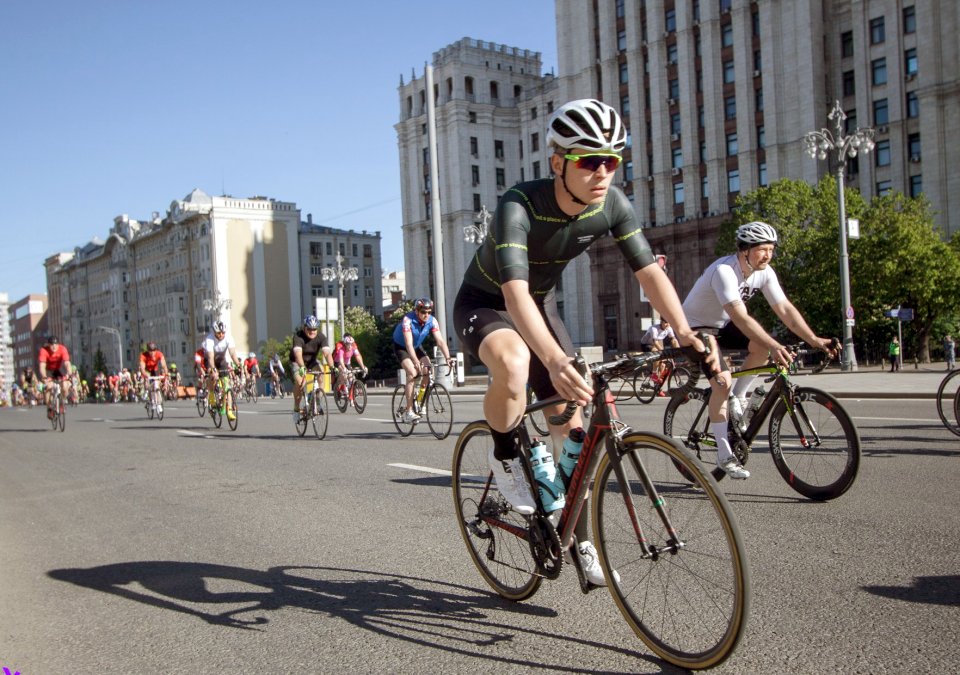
815,446
202,403
233,409
216,412
487,522
62,417
438,407
398,405
679,377
321,414
359,396
341,398
644,388
946,393
672,552
158,402
539,418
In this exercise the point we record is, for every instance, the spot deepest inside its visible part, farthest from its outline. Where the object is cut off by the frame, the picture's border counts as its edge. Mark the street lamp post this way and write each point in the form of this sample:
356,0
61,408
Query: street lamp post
819,144
216,305
475,234
114,331
341,275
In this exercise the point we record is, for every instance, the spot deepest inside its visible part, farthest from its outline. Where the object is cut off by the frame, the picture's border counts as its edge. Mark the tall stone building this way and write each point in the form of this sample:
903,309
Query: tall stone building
6,345
28,330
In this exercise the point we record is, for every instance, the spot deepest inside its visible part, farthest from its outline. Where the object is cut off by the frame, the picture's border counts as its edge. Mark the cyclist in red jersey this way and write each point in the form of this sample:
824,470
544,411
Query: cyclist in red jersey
152,362
54,365
344,353
251,368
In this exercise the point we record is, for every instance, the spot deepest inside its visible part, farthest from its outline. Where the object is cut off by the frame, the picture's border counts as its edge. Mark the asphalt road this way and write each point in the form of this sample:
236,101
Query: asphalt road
131,546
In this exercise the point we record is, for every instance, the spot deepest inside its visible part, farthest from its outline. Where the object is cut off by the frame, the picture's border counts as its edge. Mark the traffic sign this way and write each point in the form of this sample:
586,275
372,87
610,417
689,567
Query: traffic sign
851,323
906,315
891,313
849,312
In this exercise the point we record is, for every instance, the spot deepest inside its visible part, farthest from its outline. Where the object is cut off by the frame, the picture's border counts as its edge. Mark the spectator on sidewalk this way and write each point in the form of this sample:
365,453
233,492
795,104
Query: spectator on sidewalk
949,350
894,354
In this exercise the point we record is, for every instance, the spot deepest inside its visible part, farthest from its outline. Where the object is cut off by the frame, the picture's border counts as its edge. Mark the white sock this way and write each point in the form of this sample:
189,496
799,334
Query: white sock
741,385
724,451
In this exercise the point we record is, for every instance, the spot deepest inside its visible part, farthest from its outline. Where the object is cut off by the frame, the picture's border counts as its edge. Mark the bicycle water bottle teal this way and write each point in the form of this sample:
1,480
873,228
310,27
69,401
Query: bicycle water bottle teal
569,455
544,473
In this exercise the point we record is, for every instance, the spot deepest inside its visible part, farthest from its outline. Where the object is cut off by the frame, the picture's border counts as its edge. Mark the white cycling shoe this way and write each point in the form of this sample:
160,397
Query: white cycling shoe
590,562
512,484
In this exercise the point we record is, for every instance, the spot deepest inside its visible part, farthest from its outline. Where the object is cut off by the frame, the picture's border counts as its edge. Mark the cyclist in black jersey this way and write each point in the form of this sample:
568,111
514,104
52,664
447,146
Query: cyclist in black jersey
506,310
308,344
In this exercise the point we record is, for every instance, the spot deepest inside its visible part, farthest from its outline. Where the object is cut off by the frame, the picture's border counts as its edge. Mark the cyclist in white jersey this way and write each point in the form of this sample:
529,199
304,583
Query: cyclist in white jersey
716,305
221,354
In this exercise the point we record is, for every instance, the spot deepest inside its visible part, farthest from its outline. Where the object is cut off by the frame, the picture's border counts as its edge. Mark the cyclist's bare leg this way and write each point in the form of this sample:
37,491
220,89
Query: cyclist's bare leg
297,389
507,358
411,371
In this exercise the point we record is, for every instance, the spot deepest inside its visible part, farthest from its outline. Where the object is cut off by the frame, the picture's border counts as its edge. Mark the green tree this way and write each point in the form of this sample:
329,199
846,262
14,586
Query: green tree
365,330
99,362
281,347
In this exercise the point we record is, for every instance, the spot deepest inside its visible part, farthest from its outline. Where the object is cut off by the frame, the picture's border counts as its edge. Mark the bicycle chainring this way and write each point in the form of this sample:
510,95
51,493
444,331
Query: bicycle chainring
545,546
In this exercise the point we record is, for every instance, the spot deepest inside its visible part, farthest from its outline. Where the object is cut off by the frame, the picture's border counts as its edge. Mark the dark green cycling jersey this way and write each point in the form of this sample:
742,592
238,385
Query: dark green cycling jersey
532,239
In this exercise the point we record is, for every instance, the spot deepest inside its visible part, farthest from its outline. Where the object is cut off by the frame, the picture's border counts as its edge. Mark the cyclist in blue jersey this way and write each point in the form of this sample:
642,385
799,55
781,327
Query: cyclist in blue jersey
407,338
506,311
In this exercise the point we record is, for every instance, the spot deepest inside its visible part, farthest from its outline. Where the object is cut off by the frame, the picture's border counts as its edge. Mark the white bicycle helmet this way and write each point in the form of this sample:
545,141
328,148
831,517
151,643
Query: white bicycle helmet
587,124
756,233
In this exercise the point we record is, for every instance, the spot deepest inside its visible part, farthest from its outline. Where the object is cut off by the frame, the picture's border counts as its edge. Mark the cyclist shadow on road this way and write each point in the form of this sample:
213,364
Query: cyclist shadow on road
943,590
440,615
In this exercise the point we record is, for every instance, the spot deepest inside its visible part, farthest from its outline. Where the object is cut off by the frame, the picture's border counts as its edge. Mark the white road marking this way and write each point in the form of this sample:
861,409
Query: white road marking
187,432
895,419
440,472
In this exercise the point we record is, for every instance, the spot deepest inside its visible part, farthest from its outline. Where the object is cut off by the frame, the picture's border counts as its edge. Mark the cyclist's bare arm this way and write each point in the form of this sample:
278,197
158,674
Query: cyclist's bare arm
533,329
328,357
749,326
663,296
792,319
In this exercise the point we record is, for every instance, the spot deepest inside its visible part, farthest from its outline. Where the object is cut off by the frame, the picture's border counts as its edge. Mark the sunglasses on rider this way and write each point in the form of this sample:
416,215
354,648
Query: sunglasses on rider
425,311
593,162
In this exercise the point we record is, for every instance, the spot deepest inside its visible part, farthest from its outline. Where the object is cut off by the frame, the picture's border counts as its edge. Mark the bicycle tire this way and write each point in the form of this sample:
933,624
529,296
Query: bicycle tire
301,424
398,404
644,387
504,560
341,399
160,412
202,402
359,396
689,605
216,412
438,408
678,378
232,423
321,414
254,394
539,418
678,421
821,473
62,418
149,410
946,393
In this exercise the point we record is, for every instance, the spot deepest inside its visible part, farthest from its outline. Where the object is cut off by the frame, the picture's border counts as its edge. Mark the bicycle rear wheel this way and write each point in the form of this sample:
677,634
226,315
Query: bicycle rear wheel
62,417
301,424
321,414
398,405
945,394
438,407
341,398
359,396
202,402
679,377
815,446
686,590
503,559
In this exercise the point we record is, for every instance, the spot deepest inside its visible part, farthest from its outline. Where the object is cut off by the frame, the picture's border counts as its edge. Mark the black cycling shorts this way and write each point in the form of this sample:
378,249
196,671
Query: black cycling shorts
400,351
477,313
728,337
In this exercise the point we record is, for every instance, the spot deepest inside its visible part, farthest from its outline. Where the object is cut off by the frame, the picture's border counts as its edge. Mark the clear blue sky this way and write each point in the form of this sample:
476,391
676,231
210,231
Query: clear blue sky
122,107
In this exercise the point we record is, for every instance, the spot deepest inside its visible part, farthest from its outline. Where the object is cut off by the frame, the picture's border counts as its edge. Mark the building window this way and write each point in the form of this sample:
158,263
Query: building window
701,118
909,19
733,180
730,108
763,174
674,86
501,178
494,91
498,149
476,202
671,20
699,81
913,104
316,249
884,188
851,122
879,67
628,171
533,113
849,83
672,56
534,142
880,112
676,158
913,143
316,291
426,156
536,170
846,43
757,61
729,74
329,248
368,250
678,193
883,153
468,86
726,35
916,186
353,250
703,151
877,32
620,9
755,23
474,146
704,187
910,61
475,174
623,74
758,99
622,40
625,106
315,270
761,136
675,123
732,144
472,117
653,200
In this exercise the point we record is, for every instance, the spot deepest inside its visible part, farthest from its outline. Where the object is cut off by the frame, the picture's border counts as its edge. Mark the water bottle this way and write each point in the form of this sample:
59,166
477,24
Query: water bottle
569,455
544,473
753,405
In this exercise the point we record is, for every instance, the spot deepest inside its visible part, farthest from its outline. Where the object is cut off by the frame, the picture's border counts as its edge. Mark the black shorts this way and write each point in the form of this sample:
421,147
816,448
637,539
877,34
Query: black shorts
477,313
729,337
400,351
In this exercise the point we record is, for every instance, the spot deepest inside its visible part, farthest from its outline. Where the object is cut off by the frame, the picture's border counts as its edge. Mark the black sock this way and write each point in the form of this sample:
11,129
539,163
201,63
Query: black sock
506,444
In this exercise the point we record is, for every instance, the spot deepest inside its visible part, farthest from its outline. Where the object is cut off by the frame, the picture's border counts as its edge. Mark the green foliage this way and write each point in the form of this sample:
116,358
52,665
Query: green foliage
366,331
99,362
899,259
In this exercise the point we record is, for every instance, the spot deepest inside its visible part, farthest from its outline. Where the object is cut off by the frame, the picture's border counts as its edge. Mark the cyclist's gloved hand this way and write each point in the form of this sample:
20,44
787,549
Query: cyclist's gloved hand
302,370
364,371
712,360
568,381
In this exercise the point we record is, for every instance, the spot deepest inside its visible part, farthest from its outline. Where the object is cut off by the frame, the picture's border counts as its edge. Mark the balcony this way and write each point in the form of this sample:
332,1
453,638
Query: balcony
176,287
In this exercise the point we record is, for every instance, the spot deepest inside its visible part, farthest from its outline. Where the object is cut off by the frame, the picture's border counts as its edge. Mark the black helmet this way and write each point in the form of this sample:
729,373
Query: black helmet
151,346
53,340
423,303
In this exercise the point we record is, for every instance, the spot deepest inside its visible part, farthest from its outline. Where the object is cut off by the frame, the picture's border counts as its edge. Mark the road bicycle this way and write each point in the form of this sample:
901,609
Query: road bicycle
813,441
352,391
682,580
224,400
202,394
250,389
154,403
171,390
313,406
430,400
276,386
649,382
947,401
58,418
